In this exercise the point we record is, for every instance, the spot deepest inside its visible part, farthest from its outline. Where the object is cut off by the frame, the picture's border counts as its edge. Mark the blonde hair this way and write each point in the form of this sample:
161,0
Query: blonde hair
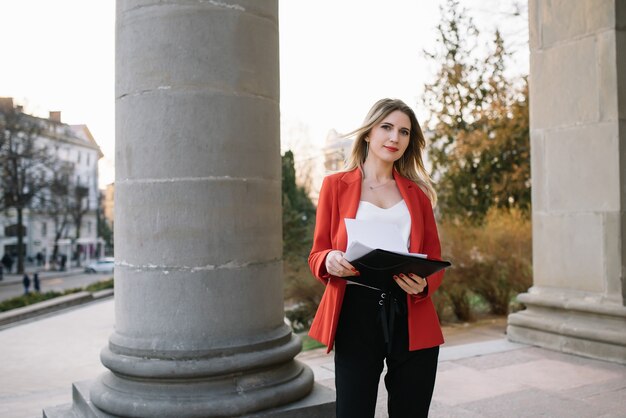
410,165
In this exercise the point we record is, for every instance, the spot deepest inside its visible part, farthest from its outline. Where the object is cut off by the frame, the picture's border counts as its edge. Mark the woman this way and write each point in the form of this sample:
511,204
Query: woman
385,180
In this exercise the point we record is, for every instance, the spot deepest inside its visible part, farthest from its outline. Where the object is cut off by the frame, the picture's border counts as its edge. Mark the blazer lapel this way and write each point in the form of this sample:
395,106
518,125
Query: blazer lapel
350,193
348,196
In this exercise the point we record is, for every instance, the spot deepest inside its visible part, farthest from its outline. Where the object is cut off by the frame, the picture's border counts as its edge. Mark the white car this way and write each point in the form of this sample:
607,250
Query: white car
104,265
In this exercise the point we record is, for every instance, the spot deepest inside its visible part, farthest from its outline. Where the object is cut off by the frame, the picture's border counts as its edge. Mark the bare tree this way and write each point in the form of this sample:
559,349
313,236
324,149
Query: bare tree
56,203
78,208
23,167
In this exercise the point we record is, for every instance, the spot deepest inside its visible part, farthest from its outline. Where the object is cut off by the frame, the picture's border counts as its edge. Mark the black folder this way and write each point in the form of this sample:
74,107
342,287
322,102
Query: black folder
378,267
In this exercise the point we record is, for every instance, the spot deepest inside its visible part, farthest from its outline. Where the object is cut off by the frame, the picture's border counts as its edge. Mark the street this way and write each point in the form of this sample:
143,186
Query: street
53,283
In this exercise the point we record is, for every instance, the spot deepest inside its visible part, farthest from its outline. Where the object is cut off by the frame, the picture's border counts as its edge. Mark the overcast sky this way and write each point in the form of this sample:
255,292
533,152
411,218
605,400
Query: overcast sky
337,57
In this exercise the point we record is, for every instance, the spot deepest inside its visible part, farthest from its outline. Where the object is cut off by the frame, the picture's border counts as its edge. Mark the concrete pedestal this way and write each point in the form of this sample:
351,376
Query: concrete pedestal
578,142
571,322
314,405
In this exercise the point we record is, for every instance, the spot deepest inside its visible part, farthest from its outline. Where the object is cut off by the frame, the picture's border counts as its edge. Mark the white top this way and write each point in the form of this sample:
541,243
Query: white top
398,214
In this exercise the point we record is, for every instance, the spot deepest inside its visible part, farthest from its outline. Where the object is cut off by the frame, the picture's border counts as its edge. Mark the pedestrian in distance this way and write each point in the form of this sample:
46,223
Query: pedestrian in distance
36,284
26,283
385,181
7,262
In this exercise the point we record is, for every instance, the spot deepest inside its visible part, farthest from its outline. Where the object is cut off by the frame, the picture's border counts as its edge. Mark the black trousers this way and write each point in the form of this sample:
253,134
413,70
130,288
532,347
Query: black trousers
360,349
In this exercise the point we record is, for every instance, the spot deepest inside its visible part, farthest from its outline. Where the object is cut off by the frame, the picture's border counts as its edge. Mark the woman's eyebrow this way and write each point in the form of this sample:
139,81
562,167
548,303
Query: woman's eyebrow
401,127
389,123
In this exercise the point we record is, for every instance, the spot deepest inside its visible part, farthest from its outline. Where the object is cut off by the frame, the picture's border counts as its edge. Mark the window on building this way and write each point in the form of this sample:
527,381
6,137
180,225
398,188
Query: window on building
44,228
88,155
78,154
89,228
11,230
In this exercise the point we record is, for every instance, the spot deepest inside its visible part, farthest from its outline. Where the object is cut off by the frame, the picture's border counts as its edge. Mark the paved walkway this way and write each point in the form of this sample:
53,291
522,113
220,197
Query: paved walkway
487,377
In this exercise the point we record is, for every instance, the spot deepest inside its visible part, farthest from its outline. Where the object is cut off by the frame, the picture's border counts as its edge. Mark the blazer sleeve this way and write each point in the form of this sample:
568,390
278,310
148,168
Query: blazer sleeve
430,246
322,240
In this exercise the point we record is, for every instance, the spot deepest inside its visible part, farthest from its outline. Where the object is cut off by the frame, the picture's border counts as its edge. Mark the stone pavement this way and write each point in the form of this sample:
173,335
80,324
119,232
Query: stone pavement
481,374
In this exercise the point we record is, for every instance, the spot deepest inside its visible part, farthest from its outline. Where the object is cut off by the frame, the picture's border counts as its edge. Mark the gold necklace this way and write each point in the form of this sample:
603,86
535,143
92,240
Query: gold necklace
380,185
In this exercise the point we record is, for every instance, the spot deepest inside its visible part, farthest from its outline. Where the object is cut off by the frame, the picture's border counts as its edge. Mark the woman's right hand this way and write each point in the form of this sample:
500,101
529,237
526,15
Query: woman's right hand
338,266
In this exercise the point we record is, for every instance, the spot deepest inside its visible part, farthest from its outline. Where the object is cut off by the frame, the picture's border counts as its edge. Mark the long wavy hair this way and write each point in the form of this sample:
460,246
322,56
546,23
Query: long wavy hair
411,164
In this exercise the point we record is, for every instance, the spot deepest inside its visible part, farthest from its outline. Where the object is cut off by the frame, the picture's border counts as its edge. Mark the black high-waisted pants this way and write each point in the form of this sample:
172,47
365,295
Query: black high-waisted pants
360,349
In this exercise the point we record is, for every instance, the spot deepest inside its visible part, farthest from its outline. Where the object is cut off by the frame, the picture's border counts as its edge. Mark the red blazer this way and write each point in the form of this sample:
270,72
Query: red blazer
339,198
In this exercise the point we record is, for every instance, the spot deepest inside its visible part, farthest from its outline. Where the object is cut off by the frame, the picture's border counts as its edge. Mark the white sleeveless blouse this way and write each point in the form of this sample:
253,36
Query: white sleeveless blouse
398,214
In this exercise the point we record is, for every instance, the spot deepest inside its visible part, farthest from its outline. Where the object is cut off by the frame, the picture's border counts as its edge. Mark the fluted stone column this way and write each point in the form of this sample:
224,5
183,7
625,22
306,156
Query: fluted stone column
199,321
578,142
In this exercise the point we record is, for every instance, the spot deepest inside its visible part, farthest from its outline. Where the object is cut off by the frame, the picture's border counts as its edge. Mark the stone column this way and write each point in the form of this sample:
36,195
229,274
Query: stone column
200,326
578,141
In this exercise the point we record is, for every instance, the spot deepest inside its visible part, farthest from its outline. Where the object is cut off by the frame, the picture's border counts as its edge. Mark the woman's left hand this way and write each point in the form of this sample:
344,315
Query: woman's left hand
411,283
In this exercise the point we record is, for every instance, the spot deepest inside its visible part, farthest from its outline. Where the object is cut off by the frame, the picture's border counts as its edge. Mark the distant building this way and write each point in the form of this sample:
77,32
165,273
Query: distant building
75,145
336,149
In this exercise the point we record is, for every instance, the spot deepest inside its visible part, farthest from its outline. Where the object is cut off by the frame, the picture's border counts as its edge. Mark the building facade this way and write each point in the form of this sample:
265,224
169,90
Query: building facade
75,147
336,149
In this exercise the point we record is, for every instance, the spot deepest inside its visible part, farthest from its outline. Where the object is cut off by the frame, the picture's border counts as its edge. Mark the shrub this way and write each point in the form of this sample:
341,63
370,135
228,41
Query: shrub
456,242
504,265
491,260
24,300
35,297
302,293
442,306
101,285
309,343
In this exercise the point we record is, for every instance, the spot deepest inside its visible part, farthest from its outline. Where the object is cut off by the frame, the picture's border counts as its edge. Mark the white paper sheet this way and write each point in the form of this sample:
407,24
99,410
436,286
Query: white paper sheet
364,236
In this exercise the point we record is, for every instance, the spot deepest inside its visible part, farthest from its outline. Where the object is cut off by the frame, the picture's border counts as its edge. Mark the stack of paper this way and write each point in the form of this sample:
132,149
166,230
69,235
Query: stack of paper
377,251
365,236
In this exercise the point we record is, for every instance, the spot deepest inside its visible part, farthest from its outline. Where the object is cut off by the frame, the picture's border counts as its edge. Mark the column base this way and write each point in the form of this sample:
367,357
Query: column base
320,403
571,322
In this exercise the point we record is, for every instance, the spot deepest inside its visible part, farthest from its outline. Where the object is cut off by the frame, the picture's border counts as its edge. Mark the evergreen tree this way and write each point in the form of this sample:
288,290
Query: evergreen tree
298,212
302,292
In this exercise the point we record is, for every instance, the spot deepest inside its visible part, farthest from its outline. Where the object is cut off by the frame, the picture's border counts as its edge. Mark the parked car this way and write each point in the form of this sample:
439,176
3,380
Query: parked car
104,265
